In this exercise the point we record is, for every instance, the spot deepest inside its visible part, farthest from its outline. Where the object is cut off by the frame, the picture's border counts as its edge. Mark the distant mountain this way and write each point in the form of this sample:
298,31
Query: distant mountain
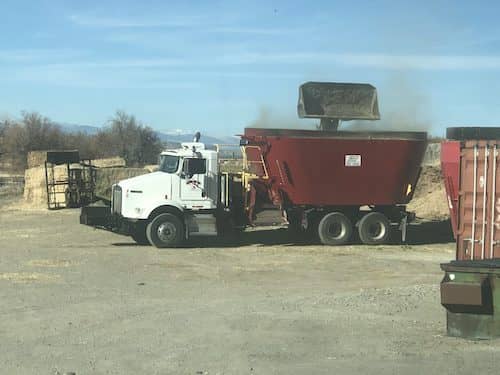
207,139
74,128
171,138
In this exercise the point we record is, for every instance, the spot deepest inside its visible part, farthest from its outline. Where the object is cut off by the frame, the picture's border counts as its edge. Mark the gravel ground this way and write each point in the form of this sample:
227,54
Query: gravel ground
92,302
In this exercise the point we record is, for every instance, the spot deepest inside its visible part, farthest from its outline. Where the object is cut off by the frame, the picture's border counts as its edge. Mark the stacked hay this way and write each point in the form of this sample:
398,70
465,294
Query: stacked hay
231,165
35,190
109,162
109,176
151,167
36,158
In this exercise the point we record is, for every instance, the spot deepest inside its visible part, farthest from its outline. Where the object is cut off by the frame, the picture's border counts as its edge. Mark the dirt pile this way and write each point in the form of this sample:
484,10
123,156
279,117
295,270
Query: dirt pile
429,201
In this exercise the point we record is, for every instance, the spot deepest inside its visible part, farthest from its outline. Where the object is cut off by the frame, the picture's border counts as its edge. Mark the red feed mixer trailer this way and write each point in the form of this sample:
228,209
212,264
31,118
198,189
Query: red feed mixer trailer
332,183
327,183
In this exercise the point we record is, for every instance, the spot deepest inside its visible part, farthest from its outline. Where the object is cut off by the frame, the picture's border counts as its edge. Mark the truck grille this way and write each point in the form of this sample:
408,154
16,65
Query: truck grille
116,200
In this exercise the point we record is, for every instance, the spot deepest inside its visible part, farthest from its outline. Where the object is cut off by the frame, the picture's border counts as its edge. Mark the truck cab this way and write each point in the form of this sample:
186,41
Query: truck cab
178,201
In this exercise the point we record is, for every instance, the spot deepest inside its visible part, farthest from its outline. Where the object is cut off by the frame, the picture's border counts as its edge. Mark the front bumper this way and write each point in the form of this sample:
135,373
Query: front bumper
98,216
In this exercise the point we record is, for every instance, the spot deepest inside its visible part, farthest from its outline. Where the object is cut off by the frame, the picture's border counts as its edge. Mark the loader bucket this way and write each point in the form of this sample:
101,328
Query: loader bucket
340,101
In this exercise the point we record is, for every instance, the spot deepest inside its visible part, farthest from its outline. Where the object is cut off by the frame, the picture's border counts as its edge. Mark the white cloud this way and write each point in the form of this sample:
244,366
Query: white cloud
113,22
201,23
382,61
68,76
75,59
419,62
251,30
39,54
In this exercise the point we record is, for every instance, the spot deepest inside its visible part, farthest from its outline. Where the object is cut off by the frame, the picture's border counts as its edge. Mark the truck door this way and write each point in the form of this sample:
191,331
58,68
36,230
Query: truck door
193,180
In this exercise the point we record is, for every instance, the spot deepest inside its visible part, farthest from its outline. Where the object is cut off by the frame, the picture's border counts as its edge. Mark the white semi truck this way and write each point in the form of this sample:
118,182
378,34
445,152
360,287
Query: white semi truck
186,197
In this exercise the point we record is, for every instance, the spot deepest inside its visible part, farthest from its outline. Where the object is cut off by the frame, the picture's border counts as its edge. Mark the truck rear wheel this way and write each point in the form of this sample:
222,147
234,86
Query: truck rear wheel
334,228
374,229
165,230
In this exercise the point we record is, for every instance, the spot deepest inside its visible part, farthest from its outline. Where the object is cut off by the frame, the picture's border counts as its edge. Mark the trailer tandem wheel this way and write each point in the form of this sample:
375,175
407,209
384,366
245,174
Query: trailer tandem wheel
374,229
165,230
335,228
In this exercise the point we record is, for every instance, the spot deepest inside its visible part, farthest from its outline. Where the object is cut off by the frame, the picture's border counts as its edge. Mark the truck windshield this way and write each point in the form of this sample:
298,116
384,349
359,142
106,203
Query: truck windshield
169,163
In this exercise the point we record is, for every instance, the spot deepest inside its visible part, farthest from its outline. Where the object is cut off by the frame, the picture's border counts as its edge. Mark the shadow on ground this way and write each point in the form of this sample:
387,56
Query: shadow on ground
419,233
265,237
430,232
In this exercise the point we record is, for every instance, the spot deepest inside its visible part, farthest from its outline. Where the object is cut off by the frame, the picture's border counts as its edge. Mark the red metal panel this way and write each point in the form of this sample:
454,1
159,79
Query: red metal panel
331,170
450,169
479,201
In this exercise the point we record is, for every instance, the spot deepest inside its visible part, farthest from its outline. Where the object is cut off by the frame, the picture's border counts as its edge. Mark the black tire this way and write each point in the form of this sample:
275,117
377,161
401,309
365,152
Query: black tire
374,229
334,228
138,234
165,230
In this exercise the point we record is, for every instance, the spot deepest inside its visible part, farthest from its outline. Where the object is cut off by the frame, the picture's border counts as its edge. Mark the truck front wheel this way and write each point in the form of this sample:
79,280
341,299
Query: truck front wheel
165,230
335,228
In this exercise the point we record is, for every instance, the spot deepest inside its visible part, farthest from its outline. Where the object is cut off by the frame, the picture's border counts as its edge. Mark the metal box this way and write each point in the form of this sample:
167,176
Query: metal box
471,295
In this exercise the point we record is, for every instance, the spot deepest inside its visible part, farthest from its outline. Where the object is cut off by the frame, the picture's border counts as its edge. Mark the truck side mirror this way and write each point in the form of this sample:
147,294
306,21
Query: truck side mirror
194,166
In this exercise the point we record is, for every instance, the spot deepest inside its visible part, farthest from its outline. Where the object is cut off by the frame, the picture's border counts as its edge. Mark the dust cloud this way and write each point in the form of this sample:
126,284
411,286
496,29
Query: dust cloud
404,107
267,118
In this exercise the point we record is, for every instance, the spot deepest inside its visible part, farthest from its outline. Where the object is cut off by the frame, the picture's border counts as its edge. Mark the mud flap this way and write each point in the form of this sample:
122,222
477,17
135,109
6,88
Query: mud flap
402,227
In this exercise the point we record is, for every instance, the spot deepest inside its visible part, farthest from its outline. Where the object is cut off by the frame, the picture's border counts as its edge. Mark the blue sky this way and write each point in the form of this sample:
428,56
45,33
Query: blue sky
218,66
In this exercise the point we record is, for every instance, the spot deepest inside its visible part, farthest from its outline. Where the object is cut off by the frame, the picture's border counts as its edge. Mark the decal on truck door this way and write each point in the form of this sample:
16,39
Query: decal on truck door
353,160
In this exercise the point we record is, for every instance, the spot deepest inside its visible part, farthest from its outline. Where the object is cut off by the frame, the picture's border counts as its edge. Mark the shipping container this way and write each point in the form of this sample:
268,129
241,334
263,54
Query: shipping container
477,214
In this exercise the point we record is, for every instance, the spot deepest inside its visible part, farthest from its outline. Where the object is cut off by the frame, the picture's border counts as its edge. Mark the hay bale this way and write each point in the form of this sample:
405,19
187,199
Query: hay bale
109,162
106,177
151,168
231,165
36,158
35,190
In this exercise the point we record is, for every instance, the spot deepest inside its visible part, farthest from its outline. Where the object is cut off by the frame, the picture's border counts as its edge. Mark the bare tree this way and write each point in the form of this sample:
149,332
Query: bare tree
124,136
129,138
